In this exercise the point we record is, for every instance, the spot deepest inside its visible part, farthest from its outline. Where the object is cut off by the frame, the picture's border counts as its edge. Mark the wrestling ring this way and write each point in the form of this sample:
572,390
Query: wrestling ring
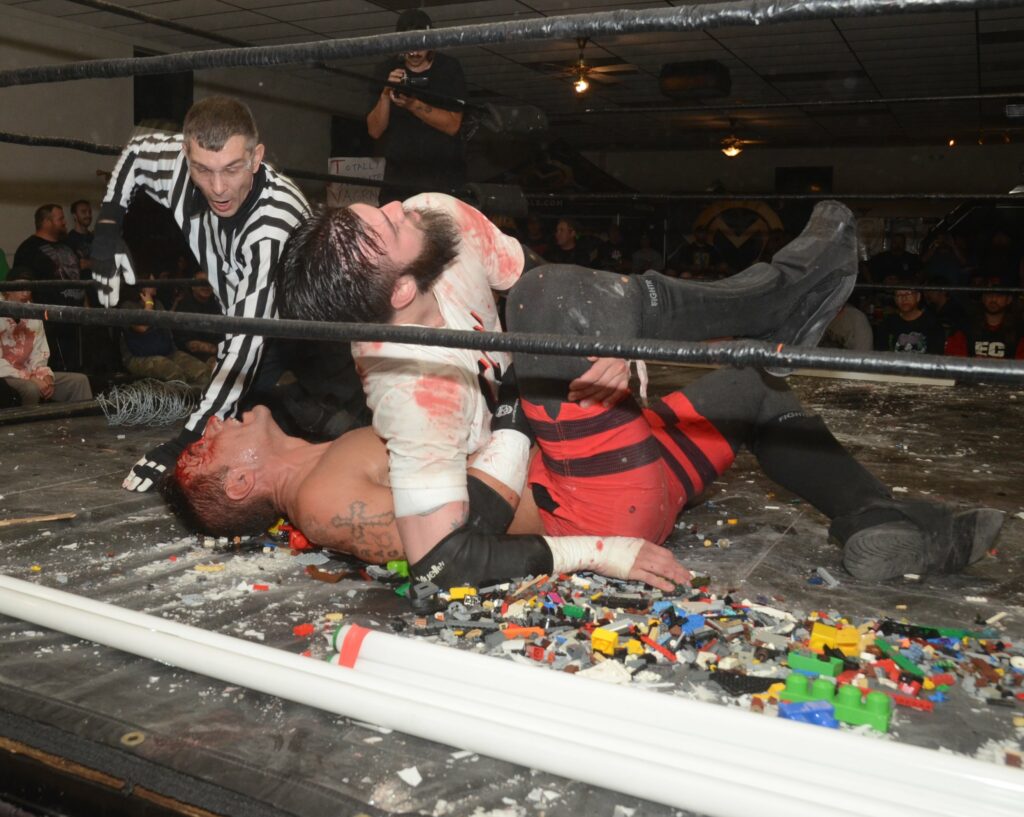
150,671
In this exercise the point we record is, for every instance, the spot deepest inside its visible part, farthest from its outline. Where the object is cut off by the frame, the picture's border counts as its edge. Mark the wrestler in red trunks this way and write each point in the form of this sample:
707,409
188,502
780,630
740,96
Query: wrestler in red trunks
623,470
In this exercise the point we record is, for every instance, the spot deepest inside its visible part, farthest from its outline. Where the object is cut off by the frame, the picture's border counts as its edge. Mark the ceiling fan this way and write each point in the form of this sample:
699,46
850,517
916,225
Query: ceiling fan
732,145
583,72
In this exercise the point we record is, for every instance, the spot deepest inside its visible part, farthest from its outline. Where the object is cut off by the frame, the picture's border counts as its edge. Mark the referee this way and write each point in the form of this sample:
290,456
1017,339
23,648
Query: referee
236,214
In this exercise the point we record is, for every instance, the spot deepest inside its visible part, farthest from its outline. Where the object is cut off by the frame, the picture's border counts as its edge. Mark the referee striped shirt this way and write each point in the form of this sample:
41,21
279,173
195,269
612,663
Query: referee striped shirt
238,253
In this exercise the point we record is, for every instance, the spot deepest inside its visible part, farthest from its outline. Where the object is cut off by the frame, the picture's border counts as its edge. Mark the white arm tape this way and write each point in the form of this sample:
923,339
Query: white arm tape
611,556
417,501
505,456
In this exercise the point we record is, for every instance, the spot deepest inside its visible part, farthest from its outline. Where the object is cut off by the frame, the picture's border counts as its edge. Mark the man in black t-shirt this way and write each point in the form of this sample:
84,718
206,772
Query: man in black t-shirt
50,259
79,237
895,261
912,329
421,140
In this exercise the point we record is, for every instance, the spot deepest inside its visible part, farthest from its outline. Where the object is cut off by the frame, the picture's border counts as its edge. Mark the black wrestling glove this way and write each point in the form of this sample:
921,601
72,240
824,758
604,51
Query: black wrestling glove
111,259
508,410
153,467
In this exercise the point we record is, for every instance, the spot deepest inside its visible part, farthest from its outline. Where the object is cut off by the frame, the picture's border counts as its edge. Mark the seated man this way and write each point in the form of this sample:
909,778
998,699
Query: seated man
199,299
149,351
911,329
433,261
994,332
25,353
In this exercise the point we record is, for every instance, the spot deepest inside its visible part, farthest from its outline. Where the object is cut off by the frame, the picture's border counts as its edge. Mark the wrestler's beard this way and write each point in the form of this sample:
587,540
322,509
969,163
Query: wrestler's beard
440,246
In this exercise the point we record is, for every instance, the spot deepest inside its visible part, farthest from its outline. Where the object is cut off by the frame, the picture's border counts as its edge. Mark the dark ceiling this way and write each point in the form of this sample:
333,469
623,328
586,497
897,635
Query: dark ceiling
824,61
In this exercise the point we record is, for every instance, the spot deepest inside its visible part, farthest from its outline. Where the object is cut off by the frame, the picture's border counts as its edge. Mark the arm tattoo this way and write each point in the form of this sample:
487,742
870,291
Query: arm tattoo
370,535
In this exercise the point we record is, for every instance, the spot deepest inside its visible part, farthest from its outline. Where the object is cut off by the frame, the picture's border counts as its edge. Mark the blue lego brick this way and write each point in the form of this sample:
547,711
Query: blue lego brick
819,713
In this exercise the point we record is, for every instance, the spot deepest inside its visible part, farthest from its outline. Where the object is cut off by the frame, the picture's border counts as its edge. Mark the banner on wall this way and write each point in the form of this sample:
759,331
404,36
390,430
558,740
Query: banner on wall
362,167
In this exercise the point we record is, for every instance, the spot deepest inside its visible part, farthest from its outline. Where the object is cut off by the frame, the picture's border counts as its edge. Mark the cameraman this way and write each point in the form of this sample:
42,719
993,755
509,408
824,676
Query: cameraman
422,145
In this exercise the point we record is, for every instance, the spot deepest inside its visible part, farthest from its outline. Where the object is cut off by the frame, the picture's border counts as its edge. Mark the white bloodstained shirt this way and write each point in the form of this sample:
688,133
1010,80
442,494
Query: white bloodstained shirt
427,401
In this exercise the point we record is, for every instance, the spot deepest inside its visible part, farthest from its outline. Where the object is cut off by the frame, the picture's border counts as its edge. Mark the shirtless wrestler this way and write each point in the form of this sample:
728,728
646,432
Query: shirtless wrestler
243,475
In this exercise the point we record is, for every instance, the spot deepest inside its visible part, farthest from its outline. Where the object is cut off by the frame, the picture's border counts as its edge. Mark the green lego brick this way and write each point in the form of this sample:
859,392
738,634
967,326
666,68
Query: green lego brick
901,661
403,589
809,663
573,611
399,566
801,689
875,710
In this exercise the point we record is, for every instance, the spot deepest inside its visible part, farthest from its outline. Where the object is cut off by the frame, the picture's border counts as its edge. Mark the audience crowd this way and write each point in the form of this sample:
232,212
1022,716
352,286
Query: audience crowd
65,362
911,314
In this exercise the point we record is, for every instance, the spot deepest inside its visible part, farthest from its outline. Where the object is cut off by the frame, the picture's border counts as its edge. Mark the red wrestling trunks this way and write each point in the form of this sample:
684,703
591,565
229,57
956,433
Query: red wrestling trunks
622,471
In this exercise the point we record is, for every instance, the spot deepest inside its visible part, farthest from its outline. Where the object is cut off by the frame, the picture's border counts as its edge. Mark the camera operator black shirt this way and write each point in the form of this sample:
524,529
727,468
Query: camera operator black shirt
422,159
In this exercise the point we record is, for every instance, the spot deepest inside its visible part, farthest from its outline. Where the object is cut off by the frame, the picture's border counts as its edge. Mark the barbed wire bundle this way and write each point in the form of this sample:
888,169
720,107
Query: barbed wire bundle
148,402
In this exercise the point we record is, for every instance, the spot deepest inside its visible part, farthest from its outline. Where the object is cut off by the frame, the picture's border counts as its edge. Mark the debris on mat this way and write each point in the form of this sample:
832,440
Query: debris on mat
815,666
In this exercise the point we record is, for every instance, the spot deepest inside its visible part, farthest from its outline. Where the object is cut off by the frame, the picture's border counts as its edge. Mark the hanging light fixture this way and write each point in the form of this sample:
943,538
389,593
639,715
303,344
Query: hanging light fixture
732,147
581,84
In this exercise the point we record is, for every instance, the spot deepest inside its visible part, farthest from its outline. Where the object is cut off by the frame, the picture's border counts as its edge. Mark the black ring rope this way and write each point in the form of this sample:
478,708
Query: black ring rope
683,18
163,283
942,288
808,103
732,353
163,22
555,198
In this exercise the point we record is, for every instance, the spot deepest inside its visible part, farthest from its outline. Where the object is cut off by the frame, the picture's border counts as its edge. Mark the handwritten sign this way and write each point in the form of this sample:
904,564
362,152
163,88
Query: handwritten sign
363,167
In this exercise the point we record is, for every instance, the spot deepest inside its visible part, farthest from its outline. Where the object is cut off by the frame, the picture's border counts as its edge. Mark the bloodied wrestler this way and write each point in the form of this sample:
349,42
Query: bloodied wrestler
606,467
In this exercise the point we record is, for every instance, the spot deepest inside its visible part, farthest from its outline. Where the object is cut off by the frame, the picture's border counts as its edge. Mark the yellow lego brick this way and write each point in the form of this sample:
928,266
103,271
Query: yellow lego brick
634,647
459,593
822,635
604,641
848,641
774,690
928,684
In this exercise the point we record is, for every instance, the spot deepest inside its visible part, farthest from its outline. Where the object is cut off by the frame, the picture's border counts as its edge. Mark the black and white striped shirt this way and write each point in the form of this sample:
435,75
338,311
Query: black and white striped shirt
238,253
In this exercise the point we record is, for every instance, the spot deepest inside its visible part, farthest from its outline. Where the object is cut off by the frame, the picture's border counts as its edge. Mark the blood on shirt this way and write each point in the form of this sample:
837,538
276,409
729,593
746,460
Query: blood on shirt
478,231
439,397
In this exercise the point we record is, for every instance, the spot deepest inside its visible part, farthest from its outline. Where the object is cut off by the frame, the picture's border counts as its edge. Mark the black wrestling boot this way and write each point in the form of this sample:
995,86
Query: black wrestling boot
825,256
888,539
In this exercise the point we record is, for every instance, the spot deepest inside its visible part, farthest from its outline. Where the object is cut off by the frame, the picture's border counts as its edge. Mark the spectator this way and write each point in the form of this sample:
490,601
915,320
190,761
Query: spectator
995,332
149,351
948,309
699,257
24,355
614,253
945,262
911,328
48,258
895,261
1001,260
79,238
567,249
646,257
850,329
199,299
537,238
422,146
